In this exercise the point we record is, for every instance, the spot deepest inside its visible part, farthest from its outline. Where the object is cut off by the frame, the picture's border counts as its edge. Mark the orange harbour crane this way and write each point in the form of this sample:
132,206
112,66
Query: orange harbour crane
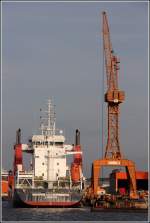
113,97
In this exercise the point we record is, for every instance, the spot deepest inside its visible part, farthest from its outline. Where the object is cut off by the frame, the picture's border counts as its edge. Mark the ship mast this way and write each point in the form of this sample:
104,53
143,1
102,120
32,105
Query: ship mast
48,122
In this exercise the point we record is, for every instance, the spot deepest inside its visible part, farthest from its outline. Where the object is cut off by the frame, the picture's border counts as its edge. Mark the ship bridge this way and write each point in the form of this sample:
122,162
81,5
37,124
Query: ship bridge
47,140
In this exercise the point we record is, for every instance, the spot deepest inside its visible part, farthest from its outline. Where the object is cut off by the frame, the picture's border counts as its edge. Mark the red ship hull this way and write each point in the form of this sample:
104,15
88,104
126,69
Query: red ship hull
32,204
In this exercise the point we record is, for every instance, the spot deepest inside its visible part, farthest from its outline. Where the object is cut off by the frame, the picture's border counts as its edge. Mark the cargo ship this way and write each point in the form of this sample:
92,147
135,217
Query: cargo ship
50,182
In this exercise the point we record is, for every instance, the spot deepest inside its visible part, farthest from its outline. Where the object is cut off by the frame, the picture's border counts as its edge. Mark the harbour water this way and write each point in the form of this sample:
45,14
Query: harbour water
67,214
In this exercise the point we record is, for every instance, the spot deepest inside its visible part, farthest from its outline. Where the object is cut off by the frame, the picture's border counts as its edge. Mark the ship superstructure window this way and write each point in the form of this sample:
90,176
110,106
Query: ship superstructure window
36,156
57,164
58,143
48,143
42,163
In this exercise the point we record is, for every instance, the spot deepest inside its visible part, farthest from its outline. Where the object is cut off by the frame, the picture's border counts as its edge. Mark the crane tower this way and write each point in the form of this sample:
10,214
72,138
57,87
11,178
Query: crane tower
113,97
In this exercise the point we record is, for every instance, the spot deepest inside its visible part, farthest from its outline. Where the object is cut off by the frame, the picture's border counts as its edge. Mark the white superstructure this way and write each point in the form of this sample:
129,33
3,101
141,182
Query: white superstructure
49,150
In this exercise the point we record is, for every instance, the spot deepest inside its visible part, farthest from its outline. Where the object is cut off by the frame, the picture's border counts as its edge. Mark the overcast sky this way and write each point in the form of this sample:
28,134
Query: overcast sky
55,50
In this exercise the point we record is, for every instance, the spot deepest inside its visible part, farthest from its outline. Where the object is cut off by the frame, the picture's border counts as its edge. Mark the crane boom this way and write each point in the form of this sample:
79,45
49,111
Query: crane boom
107,47
111,60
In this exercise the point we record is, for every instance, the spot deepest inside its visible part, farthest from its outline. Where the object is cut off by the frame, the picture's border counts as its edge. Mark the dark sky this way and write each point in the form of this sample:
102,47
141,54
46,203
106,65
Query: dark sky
55,50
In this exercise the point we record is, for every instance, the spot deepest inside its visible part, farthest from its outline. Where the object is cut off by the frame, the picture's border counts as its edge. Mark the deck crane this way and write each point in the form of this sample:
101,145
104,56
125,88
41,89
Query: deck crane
113,98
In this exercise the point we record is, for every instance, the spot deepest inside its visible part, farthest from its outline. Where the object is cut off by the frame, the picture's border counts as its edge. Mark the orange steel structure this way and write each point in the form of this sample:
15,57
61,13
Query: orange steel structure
140,175
76,166
113,97
4,186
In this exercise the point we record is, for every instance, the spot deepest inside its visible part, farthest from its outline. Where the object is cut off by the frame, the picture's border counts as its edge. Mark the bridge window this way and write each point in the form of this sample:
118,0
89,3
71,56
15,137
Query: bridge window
58,143
36,156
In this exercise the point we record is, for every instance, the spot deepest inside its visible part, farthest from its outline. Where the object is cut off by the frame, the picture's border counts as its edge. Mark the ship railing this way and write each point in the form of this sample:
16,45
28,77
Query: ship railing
25,172
44,190
51,191
23,179
51,197
27,184
24,183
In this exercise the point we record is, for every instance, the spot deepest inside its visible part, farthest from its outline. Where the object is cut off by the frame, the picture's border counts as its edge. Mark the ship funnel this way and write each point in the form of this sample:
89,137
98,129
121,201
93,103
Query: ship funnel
18,136
18,159
77,139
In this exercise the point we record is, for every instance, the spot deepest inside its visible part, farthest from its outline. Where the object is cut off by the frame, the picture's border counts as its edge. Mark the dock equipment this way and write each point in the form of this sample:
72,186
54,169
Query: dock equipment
76,166
113,97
